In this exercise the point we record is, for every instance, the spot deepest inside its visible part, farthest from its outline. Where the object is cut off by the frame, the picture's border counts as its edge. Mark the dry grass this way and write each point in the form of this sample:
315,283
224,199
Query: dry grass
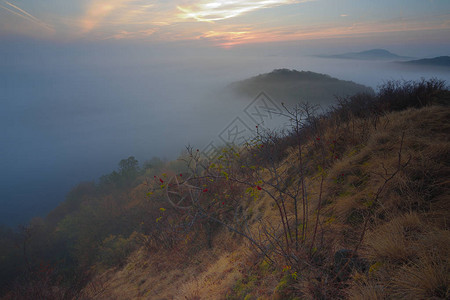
428,278
406,245
396,241
147,276
216,280
367,290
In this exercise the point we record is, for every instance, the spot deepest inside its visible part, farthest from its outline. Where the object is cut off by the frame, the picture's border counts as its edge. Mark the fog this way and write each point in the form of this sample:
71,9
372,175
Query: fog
70,112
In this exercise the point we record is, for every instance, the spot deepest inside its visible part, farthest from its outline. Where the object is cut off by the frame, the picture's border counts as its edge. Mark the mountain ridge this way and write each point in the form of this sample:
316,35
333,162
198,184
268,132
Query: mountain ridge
439,61
372,54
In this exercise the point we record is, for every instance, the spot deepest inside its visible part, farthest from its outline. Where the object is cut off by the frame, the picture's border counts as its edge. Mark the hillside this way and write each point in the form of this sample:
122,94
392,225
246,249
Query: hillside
377,197
291,86
441,61
352,204
374,54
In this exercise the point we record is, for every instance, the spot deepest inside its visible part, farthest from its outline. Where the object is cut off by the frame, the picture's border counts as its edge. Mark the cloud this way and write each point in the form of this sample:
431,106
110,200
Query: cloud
123,34
209,11
228,39
125,19
230,36
14,9
97,11
175,20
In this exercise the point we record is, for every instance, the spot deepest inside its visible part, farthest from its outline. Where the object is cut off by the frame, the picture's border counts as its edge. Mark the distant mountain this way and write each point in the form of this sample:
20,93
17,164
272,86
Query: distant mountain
374,54
291,86
440,61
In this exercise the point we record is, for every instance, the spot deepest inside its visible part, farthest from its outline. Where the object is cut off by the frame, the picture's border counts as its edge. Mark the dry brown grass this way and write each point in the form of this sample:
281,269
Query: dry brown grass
216,280
409,246
428,278
363,289
396,241
406,244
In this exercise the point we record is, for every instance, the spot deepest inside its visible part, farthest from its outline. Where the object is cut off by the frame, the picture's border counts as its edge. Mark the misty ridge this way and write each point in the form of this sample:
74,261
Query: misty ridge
290,86
373,54
385,55
438,62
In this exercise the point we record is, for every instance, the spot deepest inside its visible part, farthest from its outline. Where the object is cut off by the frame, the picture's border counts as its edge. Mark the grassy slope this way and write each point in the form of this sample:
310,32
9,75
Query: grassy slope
406,245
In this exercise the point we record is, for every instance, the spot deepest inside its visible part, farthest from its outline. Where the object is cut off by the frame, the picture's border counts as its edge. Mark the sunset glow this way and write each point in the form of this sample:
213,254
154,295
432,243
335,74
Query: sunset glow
223,23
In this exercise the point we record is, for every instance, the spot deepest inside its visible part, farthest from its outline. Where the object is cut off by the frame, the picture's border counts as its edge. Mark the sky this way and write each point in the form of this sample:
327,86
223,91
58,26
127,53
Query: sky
223,23
84,84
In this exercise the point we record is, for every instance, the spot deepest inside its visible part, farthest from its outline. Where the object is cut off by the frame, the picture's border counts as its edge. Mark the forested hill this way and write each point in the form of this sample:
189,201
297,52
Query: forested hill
292,86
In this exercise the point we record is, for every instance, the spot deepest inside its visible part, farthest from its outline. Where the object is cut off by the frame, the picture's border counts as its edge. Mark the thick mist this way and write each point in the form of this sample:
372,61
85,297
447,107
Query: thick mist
70,112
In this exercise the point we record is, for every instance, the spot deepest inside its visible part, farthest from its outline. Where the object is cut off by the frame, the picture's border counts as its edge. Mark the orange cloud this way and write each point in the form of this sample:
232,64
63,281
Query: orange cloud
97,11
228,39
122,19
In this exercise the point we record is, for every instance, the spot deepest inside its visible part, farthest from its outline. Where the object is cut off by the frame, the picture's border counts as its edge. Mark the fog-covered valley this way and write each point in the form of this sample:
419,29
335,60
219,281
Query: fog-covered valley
69,113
